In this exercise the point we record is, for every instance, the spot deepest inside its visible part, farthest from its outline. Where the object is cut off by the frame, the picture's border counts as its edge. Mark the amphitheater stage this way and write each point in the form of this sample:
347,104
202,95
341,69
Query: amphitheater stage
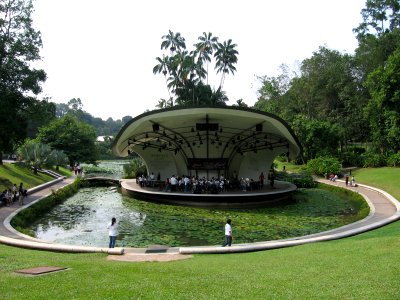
232,198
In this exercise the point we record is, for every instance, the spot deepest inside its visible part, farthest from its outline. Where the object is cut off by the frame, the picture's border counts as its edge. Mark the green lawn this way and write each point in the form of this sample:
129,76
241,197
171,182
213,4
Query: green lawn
360,267
11,173
288,166
386,178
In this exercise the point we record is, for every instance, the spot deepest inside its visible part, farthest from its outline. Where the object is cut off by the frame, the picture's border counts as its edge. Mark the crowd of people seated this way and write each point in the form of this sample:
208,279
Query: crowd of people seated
11,195
199,185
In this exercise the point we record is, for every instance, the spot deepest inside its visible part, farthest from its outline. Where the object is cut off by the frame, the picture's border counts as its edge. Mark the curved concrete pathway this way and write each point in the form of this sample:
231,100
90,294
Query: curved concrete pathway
384,210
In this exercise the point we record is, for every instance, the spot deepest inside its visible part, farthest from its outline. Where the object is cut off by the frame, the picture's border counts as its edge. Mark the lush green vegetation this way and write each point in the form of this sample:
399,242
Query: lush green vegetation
310,211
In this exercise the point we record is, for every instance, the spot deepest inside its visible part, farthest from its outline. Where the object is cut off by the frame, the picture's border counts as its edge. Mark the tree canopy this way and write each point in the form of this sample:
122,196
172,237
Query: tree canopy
75,138
19,47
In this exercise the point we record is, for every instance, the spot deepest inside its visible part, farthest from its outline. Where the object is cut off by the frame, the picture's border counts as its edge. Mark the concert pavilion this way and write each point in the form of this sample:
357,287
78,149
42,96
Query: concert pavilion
206,142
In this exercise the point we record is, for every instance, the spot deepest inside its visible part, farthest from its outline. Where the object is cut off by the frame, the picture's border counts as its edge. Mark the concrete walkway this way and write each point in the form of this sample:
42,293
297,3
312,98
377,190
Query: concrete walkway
384,210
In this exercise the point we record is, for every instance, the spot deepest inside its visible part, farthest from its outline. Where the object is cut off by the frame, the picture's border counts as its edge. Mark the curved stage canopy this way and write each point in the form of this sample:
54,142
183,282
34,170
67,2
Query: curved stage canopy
207,141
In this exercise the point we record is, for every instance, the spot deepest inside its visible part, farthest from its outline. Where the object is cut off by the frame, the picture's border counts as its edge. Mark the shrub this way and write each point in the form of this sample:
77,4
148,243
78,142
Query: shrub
301,180
351,159
373,160
394,159
135,168
322,166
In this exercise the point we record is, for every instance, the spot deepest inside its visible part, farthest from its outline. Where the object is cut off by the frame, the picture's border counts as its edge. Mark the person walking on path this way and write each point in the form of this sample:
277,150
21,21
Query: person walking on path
112,232
228,233
21,194
347,179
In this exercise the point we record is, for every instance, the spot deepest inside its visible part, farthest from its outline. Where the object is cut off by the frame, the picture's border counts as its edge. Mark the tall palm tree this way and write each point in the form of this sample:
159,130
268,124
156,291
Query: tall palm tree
226,57
205,47
163,66
173,41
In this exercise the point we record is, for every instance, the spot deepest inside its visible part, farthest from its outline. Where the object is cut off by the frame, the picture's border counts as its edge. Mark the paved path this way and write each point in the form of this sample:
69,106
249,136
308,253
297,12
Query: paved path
384,210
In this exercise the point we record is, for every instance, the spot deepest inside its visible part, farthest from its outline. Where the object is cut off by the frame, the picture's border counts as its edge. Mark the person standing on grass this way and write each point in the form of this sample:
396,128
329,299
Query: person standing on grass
112,232
228,234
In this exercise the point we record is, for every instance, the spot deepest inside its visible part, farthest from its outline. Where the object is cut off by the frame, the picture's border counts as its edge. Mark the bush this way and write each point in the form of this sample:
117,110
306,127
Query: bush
373,160
394,159
323,166
351,159
135,168
301,180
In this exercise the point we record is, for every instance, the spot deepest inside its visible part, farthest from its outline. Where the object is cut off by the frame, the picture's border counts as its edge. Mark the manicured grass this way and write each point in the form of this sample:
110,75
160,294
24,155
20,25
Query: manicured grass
362,267
386,178
16,173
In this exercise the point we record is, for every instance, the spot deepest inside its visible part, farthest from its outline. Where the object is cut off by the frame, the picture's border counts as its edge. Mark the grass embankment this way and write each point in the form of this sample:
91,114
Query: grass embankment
11,173
288,166
360,267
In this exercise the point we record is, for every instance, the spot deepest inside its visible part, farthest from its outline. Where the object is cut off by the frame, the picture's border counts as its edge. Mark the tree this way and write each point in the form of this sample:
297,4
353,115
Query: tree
184,71
58,158
162,67
379,16
383,110
19,48
318,138
205,48
77,139
35,154
173,41
226,58
240,103
39,114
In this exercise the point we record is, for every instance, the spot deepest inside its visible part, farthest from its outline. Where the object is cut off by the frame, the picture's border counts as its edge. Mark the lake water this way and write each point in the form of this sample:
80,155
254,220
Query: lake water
83,218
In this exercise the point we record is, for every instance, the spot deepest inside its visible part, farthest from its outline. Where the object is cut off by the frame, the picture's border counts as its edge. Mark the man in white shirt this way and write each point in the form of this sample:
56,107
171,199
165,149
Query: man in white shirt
228,234
174,183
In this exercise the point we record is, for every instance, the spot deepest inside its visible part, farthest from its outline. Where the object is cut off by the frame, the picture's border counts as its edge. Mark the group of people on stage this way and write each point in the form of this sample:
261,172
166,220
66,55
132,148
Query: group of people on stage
199,185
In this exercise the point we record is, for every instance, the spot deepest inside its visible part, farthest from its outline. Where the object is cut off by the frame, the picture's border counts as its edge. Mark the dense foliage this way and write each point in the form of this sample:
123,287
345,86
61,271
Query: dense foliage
19,81
75,138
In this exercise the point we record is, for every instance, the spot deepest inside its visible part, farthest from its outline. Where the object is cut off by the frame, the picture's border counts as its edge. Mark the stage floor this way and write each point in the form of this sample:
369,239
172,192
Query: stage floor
229,198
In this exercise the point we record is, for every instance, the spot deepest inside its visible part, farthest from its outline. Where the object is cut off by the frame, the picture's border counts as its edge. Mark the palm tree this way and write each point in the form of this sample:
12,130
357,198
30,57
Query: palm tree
35,154
205,47
162,103
226,57
163,66
58,158
175,42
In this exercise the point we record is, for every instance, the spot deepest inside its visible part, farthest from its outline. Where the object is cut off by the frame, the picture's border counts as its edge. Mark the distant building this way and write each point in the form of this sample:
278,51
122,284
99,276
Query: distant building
103,138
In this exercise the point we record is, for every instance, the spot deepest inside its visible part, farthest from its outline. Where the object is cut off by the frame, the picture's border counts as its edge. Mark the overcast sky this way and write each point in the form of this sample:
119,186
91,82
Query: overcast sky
103,52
